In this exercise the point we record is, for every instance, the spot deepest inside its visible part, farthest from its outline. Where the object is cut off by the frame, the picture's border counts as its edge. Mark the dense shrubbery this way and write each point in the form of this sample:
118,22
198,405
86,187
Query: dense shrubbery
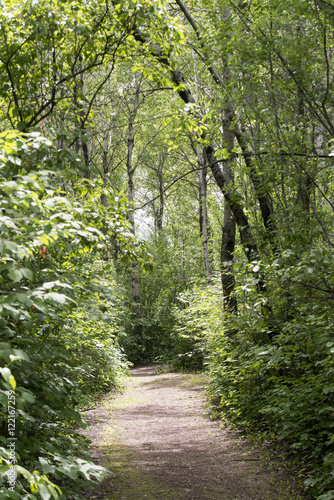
57,316
198,315
272,363
161,288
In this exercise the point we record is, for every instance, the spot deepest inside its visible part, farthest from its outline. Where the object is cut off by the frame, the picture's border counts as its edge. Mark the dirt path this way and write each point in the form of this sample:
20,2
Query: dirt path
159,445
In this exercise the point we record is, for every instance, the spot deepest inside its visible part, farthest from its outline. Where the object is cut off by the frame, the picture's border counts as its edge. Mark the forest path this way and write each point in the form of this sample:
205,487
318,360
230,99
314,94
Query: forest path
159,445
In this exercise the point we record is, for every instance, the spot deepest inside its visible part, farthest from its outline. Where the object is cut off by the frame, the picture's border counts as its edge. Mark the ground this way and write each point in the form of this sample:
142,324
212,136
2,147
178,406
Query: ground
159,445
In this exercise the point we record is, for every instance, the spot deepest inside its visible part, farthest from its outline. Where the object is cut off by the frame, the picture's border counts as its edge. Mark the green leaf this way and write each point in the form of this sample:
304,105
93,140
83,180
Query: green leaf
28,396
6,373
71,414
44,491
12,382
21,355
4,469
24,299
27,273
327,496
57,297
46,467
25,473
40,306
21,125
15,275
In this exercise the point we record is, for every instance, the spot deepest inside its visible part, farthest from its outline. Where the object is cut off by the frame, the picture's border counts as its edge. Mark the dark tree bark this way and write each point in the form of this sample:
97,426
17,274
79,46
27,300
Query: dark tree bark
160,211
228,233
257,179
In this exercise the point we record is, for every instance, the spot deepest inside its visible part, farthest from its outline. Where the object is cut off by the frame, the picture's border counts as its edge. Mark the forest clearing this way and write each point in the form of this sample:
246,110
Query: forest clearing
167,198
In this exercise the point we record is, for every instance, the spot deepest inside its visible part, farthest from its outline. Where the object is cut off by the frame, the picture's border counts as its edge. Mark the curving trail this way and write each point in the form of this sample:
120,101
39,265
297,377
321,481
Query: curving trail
159,445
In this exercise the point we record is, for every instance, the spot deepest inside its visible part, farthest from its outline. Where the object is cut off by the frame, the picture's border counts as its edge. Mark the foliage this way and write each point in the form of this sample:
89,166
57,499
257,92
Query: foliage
271,363
68,254
45,47
197,317
59,333
176,256
275,371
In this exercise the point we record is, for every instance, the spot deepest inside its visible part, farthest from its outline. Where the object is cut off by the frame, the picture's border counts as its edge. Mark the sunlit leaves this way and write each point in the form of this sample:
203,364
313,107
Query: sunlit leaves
44,48
49,265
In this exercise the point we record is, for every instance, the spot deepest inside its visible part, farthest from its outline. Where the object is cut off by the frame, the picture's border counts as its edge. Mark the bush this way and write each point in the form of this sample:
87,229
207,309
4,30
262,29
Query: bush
275,372
58,322
198,316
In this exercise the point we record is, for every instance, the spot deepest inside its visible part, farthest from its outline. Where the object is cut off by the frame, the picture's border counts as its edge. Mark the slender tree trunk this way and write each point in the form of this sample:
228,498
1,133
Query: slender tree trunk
228,234
259,186
105,166
204,218
106,170
229,226
104,201
203,210
79,92
131,171
160,211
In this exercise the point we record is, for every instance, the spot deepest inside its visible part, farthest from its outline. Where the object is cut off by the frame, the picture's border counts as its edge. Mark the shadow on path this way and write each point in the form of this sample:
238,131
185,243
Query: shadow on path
159,446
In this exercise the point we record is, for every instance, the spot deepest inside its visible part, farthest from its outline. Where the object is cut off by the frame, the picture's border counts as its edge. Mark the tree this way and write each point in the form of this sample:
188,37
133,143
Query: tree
211,118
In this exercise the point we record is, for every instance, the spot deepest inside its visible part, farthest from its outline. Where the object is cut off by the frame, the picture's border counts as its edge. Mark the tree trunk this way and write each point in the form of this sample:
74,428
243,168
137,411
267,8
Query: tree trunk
259,186
78,93
105,166
158,212
203,212
228,234
204,219
131,171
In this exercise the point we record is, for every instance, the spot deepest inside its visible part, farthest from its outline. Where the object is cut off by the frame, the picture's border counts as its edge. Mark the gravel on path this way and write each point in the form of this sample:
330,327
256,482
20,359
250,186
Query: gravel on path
159,445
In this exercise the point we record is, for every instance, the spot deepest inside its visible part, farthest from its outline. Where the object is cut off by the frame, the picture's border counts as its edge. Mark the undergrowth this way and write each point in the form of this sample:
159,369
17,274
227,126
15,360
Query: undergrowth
271,363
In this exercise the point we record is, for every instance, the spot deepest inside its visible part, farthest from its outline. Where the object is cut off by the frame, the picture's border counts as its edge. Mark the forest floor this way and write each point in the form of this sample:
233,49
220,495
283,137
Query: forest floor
159,445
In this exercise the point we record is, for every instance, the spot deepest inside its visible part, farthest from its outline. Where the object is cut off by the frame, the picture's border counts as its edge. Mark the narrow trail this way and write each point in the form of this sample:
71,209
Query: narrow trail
159,445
